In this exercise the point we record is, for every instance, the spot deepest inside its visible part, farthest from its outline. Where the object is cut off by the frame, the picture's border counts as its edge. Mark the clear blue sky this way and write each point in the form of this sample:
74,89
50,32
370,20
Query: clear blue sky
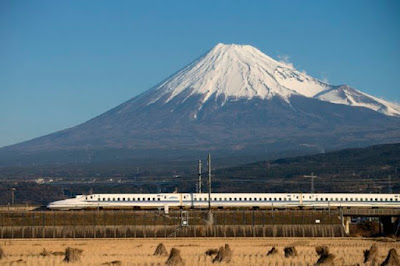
64,62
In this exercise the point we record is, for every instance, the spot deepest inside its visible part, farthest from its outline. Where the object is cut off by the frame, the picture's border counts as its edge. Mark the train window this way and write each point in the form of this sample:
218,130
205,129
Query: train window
284,199
98,199
220,199
245,199
297,197
381,199
184,197
270,199
104,199
108,199
290,199
86,197
274,199
148,199
396,199
123,199
240,199
341,199
235,199
144,199
215,199
280,199
158,199
230,199
386,199
133,199
309,197
351,199
118,199
265,199
346,199
376,199
128,199
391,199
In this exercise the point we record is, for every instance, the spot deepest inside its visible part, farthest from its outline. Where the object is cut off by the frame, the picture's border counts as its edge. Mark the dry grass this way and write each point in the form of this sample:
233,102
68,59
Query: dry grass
245,251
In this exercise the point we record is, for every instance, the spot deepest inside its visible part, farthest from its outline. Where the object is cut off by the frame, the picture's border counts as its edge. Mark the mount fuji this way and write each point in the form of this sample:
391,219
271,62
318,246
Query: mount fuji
232,100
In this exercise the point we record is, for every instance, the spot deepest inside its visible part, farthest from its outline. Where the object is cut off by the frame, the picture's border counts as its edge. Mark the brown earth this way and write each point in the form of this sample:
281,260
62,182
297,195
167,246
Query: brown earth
245,251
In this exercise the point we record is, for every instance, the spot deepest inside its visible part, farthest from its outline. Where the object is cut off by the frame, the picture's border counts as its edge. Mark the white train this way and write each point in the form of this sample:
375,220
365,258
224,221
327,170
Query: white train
227,200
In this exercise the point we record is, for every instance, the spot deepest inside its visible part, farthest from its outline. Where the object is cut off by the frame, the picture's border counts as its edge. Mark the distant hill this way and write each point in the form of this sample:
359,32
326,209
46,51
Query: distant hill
350,170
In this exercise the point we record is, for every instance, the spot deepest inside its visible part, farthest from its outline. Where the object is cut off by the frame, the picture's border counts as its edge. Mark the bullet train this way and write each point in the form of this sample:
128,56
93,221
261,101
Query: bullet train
227,200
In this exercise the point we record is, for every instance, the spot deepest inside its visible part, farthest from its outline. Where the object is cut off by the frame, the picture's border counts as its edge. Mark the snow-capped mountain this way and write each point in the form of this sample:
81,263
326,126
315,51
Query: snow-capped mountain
241,71
232,100
238,71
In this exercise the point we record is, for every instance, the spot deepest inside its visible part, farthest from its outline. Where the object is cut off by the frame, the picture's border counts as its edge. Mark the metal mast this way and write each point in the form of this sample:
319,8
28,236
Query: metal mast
199,184
209,181
312,176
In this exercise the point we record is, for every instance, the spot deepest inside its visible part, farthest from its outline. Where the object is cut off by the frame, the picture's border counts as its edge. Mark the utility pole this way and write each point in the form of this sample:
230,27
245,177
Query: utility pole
209,181
312,176
199,184
210,218
13,195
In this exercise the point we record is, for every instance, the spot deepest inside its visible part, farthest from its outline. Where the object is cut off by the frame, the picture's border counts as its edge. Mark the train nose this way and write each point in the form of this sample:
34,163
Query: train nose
53,204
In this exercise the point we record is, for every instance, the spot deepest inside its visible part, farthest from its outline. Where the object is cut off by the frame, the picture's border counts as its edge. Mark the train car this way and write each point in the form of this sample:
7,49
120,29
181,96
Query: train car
227,200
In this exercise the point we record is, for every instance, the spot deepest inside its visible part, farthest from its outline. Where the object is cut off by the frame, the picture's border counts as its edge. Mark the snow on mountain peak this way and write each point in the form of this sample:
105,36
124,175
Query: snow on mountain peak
232,72
349,96
238,71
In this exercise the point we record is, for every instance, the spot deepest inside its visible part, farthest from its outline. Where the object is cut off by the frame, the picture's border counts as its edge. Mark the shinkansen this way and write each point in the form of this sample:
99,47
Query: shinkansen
227,200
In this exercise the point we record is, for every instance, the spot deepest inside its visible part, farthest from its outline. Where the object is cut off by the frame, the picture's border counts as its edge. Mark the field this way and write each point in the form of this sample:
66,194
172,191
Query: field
245,251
